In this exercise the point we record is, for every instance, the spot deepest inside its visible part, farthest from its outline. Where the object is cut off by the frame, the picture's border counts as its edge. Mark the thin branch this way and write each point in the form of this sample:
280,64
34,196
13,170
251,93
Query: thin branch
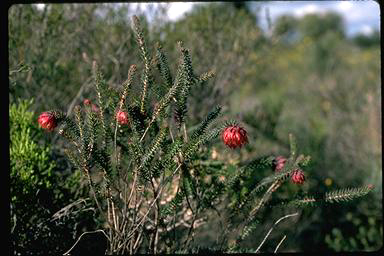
78,95
88,232
156,233
185,133
146,130
132,189
277,247
154,201
64,211
271,189
93,191
277,222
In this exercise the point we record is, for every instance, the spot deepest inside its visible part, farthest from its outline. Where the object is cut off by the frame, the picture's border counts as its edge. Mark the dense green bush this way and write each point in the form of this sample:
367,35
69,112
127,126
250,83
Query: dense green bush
37,191
31,168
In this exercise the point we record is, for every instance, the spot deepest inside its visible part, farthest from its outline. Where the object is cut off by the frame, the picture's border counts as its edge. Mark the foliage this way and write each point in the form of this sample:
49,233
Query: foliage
296,80
236,34
30,164
163,163
76,28
34,185
309,94
367,41
367,233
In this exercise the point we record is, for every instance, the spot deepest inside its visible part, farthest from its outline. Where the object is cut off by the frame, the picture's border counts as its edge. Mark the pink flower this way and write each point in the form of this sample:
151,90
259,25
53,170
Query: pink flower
297,176
47,121
95,108
279,163
122,117
87,102
234,136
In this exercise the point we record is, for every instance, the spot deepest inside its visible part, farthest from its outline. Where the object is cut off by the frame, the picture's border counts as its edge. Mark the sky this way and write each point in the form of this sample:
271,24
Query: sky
359,16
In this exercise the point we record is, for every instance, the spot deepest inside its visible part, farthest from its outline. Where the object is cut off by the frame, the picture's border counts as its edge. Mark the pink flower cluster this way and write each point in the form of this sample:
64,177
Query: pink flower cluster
297,176
88,103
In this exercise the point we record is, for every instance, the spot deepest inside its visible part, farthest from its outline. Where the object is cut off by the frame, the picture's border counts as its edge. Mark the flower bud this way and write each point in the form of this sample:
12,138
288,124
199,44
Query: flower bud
279,163
87,102
297,176
95,108
47,121
122,117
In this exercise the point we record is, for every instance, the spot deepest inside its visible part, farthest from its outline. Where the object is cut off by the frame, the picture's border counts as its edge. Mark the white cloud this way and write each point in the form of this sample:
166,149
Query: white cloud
344,6
178,9
366,30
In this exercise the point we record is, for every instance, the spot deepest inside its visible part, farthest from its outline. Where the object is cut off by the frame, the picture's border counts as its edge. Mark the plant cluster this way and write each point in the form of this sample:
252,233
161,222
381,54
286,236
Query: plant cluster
145,165
35,182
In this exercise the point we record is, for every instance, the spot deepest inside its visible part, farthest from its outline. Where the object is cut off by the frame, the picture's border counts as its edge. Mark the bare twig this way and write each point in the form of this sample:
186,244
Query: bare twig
277,247
132,188
154,201
185,133
271,189
139,238
65,210
157,213
93,191
277,222
14,223
253,212
146,130
88,232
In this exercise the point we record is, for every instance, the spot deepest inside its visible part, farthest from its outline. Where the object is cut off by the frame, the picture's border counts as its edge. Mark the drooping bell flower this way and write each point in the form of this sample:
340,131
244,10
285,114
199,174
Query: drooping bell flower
234,136
87,102
279,163
47,121
298,177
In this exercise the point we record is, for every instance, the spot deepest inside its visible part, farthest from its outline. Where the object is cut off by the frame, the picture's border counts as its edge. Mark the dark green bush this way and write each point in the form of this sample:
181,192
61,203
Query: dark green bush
38,191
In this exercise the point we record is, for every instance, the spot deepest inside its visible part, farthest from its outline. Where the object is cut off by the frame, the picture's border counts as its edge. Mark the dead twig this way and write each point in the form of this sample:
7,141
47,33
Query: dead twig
277,222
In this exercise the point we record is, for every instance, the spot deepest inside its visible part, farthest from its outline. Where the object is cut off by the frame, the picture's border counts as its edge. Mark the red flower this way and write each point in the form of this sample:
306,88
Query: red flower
47,121
234,136
279,163
87,102
298,177
122,117
95,108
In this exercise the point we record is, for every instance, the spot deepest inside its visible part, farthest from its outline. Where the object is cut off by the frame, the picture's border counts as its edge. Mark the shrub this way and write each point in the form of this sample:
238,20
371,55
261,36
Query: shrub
37,191
150,176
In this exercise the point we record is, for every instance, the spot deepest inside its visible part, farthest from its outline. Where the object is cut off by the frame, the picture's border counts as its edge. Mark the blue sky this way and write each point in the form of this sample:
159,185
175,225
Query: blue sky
359,16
